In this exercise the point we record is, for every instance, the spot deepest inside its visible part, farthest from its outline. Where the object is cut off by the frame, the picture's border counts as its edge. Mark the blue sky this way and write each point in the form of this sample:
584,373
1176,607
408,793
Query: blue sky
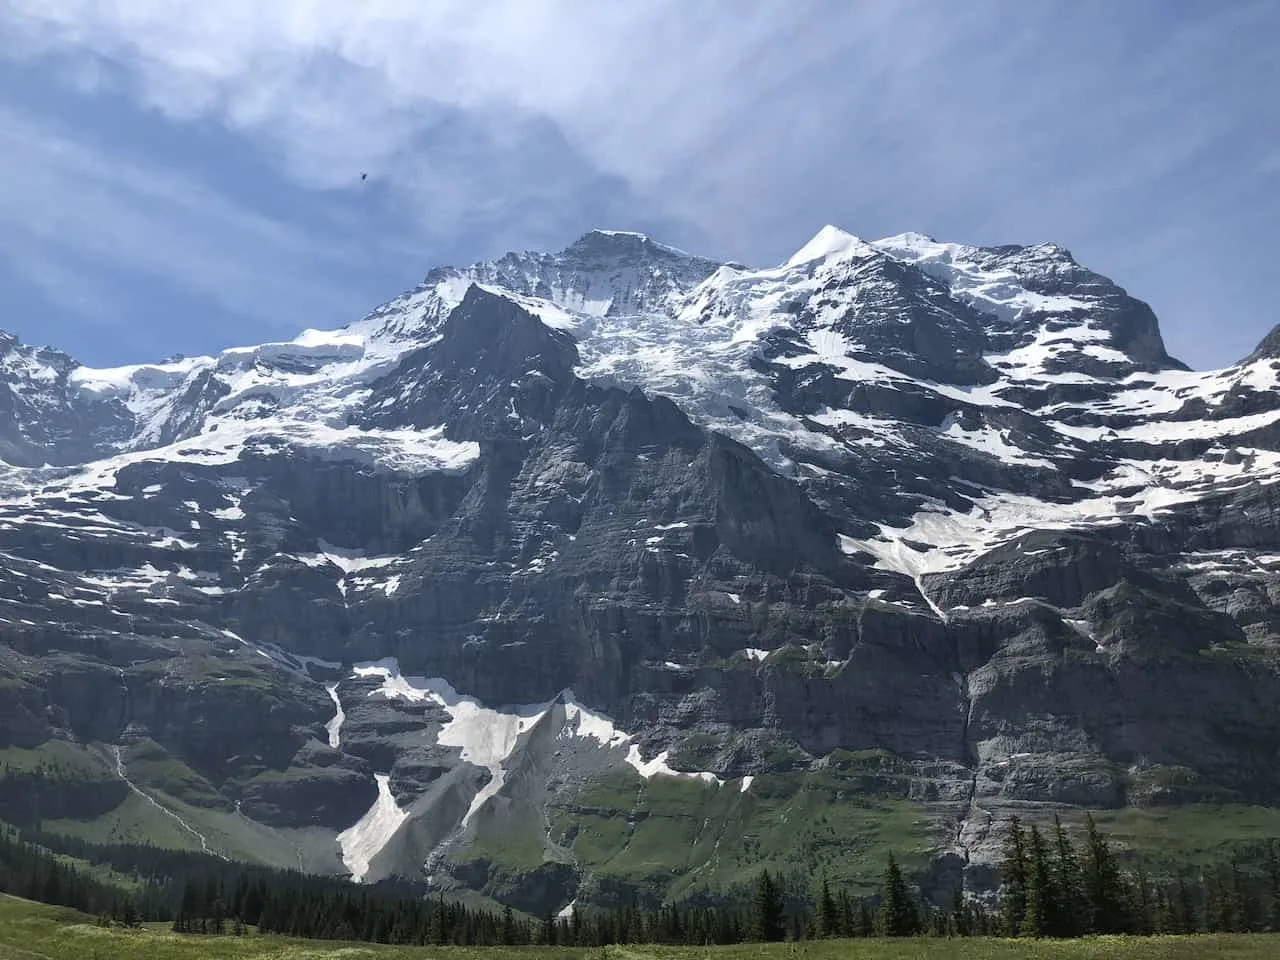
180,177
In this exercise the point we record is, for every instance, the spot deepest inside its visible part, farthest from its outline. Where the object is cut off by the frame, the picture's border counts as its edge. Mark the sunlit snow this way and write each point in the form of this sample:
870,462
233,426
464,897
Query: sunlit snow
486,737
364,840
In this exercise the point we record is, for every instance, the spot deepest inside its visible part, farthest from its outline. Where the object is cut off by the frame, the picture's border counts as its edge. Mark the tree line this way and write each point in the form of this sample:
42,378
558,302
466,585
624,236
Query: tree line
35,873
1051,886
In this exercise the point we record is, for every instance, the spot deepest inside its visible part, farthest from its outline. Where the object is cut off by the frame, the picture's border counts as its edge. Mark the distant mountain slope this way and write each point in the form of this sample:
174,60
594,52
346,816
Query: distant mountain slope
592,574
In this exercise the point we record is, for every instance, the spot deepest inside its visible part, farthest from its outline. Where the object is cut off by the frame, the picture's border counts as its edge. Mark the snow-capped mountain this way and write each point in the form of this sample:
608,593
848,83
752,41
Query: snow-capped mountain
734,523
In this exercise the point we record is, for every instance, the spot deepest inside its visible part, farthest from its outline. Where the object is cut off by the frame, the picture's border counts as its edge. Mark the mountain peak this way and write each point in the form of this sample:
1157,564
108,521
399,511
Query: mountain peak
641,477
829,242
622,243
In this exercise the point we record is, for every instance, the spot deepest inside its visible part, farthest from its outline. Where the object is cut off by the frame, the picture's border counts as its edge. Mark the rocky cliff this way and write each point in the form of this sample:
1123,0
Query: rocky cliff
618,572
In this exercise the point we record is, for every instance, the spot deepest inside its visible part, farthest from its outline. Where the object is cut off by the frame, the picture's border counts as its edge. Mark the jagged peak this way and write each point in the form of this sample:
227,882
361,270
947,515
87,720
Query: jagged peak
622,242
830,241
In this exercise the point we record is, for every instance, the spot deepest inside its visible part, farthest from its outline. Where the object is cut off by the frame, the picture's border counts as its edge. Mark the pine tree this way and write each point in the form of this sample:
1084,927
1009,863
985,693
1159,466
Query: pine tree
1104,891
1013,874
1068,908
898,915
767,921
1037,917
828,913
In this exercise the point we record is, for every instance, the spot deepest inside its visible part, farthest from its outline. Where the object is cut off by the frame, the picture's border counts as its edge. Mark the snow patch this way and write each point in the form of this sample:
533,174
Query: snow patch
334,726
658,766
485,737
365,839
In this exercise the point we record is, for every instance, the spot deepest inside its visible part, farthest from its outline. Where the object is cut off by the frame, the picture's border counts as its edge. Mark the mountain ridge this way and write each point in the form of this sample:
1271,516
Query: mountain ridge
942,528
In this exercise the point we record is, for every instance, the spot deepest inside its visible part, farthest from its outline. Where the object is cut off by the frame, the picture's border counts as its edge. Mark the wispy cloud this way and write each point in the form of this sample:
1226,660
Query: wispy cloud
1116,129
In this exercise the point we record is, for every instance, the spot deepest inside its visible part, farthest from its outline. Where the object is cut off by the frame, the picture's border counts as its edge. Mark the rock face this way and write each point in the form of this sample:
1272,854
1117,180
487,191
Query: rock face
552,557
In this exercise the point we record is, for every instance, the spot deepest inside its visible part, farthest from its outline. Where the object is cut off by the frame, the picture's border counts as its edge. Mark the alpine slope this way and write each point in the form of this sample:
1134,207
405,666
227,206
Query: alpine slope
628,516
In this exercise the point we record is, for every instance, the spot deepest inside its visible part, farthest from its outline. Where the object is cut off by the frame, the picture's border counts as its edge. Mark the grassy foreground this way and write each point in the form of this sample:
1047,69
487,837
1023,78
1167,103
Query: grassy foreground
32,931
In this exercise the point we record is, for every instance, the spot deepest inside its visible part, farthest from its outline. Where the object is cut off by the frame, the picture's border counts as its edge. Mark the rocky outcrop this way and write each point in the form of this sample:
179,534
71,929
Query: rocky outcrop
893,523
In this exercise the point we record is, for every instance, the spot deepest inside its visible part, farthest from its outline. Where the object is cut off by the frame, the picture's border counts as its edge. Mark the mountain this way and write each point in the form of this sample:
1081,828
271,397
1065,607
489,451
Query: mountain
616,573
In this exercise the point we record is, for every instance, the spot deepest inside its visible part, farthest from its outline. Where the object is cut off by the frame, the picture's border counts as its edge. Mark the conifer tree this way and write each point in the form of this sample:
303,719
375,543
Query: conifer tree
1013,874
1068,908
828,913
767,920
1104,891
1037,917
898,915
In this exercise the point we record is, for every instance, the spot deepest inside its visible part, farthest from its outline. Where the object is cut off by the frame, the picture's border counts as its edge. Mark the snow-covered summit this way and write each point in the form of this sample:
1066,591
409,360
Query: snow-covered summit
849,355
828,243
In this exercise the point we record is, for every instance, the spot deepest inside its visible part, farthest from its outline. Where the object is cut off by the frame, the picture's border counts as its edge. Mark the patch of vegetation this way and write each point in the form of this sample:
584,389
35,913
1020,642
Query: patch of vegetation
57,933
697,751
56,760
1191,833
150,766
679,838
224,672
513,838
133,820
137,820
55,779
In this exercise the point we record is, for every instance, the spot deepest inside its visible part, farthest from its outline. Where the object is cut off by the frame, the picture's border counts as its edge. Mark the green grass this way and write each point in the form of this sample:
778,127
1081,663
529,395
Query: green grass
151,767
681,837
57,759
30,931
512,839
136,821
1190,834
226,672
